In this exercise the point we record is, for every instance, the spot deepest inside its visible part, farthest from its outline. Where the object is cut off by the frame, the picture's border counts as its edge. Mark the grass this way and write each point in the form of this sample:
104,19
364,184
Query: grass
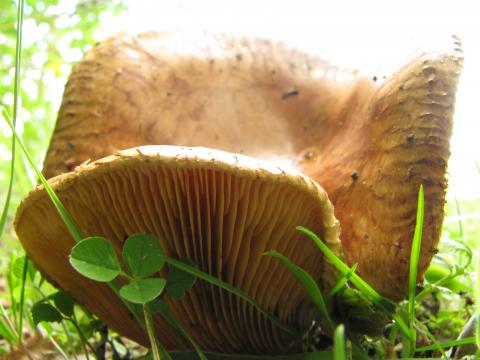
409,328
18,57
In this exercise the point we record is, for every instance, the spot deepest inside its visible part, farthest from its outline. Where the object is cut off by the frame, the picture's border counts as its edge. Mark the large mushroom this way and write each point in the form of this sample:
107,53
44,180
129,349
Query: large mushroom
369,142
221,210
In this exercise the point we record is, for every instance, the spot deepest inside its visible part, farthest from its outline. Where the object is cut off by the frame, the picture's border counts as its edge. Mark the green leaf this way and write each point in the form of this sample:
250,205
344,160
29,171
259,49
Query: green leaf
95,258
339,352
18,265
45,312
179,281
141,291
64,302
308,283
143,255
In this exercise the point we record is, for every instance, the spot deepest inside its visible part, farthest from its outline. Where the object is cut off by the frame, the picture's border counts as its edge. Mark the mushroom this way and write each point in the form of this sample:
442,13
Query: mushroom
221,210
368,143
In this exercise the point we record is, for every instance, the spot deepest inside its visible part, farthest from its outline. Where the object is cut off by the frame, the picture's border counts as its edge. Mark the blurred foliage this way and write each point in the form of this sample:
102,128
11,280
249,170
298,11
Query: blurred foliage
56,34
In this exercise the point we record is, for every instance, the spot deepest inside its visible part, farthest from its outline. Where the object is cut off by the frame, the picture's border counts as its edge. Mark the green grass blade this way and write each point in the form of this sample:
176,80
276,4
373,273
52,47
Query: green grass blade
226,286
339,352
385,304
458,212
167,315
16,87
57,347
432,338
477,301
11,285
73,229
6,327
22,296
344,268
358,353
308,283
163,352
447,344
342,282
415,254
6,333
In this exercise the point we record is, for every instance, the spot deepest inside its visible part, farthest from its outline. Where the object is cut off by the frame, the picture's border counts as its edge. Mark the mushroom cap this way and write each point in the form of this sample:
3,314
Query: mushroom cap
369,142
221,210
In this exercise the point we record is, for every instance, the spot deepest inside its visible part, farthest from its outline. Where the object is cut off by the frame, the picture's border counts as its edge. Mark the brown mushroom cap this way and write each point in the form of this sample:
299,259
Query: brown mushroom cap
221,210
369,142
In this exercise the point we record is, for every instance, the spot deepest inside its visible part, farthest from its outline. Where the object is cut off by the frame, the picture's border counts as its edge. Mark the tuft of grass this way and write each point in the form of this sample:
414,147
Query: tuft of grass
383,303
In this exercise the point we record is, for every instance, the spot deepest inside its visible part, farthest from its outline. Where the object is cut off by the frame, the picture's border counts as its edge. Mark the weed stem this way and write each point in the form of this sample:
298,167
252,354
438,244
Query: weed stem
151,335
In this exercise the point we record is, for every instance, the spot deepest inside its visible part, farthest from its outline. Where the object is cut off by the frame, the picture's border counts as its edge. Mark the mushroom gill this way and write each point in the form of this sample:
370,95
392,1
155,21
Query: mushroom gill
221,210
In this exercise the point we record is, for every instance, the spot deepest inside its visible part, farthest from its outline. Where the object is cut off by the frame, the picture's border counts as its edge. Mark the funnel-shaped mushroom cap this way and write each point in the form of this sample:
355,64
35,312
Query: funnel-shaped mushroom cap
398,140
369,142
221,210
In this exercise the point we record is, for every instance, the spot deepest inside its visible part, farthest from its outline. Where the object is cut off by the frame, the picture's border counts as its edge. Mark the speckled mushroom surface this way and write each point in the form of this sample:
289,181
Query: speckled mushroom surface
221,210
370,142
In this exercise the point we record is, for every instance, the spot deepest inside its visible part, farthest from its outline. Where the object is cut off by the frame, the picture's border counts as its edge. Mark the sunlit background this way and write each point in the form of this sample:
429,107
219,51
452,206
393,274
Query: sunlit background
369,35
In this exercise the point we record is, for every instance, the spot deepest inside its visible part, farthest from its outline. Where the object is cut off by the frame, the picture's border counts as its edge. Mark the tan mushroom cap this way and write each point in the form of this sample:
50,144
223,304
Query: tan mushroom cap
369,142
218,209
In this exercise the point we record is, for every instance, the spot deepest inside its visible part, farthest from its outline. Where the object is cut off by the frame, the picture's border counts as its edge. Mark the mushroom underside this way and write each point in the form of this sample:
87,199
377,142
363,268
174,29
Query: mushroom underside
220,210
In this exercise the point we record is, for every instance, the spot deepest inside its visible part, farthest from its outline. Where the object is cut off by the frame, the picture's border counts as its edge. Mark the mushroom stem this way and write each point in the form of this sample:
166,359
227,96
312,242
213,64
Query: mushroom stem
151,334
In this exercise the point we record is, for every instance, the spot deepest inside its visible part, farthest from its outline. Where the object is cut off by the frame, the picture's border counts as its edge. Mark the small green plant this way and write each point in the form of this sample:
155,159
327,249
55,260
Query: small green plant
95,258
61,310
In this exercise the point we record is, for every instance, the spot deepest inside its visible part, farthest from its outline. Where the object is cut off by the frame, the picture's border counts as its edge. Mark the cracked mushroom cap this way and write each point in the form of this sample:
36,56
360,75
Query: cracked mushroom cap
221,210
369,141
